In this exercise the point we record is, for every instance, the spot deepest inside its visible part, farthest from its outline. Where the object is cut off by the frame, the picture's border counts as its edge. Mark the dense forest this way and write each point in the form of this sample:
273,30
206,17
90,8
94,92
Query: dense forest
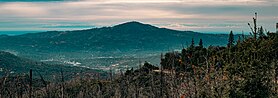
244,68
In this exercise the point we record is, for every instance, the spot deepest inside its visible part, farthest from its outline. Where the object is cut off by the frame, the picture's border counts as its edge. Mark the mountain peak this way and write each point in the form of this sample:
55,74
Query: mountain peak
134,24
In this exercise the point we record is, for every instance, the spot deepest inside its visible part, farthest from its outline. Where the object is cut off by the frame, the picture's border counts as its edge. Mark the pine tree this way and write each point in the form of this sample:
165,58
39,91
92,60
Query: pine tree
261,32
238,40
231,39
201,43
254,29
192,43
242,35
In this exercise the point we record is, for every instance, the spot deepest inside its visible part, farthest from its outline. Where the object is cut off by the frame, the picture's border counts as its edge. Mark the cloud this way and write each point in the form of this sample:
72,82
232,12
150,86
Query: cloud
23,9
34,0
68,26
201,15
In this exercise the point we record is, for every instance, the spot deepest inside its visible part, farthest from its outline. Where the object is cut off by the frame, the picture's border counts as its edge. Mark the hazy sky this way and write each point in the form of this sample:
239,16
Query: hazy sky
219,16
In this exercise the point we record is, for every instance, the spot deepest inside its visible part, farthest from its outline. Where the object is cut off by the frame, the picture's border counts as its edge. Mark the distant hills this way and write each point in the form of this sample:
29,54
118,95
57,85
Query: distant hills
130,36
122,45
13,65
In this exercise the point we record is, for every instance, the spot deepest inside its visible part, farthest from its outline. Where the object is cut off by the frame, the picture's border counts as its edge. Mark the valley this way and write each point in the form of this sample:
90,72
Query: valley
123,45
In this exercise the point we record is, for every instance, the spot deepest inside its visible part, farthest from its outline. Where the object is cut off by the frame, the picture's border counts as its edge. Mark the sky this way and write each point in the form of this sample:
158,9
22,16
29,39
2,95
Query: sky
206,16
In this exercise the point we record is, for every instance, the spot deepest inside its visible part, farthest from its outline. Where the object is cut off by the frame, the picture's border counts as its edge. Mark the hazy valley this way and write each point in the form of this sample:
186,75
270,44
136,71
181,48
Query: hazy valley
122,46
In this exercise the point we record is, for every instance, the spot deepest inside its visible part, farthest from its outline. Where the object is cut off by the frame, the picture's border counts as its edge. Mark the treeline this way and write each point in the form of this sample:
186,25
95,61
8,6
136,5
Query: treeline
247,68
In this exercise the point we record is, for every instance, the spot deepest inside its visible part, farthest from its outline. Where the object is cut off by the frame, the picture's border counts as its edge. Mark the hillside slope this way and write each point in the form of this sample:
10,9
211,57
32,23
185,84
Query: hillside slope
13,65
131,36
122,45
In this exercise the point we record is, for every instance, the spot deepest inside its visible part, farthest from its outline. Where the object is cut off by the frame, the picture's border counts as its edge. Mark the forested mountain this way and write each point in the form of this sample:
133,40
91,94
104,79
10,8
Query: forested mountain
131,36
122,44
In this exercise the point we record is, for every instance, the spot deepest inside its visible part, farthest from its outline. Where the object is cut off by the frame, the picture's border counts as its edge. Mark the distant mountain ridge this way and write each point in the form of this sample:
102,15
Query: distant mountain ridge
126,38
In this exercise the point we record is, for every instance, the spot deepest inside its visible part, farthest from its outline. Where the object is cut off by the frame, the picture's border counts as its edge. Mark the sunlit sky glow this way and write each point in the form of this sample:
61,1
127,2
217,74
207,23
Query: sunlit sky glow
208,16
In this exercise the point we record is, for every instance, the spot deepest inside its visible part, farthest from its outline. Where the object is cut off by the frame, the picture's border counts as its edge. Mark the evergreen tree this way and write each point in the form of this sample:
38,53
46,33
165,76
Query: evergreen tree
254,29
192,43
261,32
242,35
238,40
231,39
201,43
